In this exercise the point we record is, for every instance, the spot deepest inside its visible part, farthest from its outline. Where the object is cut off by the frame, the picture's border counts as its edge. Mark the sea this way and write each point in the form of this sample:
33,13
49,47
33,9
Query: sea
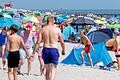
86,11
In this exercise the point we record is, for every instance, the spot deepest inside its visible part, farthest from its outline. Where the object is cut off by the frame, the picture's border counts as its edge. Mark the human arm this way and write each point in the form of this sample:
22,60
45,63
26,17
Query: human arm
4,53
23,46
37,44
33,38
89,43
61,41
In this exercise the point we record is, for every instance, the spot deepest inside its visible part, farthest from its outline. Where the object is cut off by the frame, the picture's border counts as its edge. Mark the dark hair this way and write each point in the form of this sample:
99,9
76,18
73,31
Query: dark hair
14,28
5,28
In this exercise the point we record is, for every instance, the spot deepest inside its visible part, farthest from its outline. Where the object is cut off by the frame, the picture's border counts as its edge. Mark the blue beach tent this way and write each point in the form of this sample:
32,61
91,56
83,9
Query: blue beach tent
99,55
101,35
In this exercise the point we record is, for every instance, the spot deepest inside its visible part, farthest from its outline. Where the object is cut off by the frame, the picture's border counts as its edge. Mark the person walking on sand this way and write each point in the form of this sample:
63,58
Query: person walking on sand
88,45
50,35
14,41
28,38
3,40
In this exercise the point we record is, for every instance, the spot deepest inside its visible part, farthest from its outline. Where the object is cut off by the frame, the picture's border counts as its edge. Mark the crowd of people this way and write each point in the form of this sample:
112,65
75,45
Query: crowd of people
44,42
19,48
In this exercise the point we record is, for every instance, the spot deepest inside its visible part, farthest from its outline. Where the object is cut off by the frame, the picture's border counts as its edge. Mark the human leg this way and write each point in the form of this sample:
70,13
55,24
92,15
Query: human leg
52,71
82,56
118,61
29,67
91,64
13,62
47,74
29,62
50,57
3,49
41,62
10,73
20,64
22,60
15,73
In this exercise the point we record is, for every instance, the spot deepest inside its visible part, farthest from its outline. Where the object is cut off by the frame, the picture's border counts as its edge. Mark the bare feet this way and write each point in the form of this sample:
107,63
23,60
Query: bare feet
83,65
92,66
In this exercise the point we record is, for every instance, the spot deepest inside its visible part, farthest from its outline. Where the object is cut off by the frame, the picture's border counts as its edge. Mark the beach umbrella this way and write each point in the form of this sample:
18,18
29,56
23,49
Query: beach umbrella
60,19
1,14
1,7
31,18
103,18
20,19
7,16
8,22
83,21
40,20
115,25
99,22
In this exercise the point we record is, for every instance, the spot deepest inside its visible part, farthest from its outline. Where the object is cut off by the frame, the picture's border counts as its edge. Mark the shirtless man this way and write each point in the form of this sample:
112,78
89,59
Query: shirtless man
14,41
50,35
88,45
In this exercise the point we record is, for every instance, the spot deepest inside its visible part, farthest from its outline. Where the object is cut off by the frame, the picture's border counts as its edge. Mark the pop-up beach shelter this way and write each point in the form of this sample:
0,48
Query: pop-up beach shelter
101,35
99,55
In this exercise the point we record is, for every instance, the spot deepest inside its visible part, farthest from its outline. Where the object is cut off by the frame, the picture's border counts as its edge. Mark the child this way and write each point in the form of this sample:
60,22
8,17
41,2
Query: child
14,42
88,45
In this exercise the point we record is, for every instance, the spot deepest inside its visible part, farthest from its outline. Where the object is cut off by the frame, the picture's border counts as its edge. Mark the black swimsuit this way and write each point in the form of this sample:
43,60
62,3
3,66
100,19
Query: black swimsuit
13,59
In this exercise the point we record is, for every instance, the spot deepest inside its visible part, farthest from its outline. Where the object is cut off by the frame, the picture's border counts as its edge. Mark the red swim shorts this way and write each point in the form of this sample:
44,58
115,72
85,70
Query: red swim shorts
87,48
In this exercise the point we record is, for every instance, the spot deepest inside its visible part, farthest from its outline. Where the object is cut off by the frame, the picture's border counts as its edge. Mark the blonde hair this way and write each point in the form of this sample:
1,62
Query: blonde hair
50,19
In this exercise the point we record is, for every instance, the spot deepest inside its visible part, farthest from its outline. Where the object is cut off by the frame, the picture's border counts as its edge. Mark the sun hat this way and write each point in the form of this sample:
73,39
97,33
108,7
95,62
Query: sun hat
29,26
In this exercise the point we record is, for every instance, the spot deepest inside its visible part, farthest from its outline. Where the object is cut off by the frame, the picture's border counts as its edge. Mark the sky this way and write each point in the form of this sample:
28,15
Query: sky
65,4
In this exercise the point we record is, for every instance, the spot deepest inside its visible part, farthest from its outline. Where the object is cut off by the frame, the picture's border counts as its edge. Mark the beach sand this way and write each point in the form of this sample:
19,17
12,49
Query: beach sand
65,72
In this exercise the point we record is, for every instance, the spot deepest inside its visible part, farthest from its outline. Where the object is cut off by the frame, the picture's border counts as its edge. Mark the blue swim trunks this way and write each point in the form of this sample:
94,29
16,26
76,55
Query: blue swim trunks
50,55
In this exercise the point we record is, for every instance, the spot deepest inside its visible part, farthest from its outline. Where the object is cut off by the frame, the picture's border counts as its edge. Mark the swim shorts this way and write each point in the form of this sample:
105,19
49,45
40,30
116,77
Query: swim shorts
87,48
13,59
50,55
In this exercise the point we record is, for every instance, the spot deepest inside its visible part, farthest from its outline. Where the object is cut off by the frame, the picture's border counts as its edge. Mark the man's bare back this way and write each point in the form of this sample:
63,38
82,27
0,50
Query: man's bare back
14,41
50,36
